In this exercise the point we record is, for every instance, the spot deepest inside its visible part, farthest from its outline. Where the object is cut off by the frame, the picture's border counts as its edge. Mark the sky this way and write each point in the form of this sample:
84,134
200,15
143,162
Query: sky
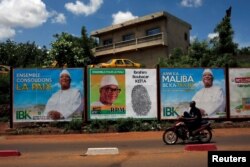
38,20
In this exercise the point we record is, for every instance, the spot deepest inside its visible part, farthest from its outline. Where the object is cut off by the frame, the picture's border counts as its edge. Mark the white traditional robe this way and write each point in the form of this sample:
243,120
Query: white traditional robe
211,100
66,102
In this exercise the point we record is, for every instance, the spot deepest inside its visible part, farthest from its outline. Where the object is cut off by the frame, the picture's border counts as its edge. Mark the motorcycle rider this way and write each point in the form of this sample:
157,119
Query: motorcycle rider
189,127
193,118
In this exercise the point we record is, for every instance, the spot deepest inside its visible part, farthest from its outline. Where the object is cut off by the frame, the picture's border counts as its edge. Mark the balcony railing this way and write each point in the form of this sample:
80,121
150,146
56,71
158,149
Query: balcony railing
125,43
155,39
150,38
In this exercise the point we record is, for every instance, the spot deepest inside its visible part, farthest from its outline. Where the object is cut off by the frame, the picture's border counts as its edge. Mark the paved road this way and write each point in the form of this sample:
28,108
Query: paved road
135,149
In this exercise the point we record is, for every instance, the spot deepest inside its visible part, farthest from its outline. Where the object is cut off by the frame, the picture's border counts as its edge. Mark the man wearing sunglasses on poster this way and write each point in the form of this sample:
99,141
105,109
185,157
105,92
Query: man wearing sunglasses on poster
109,91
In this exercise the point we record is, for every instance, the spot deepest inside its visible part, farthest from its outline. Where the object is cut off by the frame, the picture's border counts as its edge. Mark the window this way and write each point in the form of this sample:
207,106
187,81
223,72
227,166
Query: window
107,42
118,62
127,62
128,37
153,31
185,36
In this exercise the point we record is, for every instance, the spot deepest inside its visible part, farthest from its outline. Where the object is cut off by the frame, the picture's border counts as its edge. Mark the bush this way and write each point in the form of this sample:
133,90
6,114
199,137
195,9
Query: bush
4,112
140,125
75,124
96,126
57,124
4,98
124,125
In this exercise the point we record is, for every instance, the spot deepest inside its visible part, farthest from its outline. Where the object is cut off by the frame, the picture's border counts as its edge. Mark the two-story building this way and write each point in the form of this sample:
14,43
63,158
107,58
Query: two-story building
143,40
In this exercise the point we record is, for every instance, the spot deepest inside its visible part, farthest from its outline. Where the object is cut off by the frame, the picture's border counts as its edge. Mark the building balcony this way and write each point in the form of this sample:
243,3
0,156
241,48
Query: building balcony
134,44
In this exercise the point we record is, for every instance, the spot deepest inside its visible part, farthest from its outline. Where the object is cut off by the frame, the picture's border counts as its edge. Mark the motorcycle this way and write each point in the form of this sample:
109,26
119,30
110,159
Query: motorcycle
180,130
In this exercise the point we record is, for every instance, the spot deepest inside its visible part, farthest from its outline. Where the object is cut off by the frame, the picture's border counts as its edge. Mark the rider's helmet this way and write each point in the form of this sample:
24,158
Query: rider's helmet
192,104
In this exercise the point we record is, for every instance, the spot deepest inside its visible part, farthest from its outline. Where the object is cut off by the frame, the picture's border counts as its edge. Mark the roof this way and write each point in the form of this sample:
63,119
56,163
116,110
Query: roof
137,21
4,69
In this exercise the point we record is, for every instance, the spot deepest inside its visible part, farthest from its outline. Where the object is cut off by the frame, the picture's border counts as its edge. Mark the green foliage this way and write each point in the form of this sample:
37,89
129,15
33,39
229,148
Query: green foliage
221,51
4,97
4,89
177,59
200,54
72,50
140,125
125,125
57,124
74,124
243,60
22,54
224,42
244,51
225,60
198,50
130,124
96,126
121,125
67,49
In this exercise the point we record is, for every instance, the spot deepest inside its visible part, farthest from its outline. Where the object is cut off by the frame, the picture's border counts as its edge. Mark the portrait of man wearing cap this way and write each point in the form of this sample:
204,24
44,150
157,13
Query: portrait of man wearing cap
66,101
210,99
109,91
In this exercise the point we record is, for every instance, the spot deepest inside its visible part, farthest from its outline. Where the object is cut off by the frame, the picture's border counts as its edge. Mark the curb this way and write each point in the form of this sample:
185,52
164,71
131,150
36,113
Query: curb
200,147
102,151
7,153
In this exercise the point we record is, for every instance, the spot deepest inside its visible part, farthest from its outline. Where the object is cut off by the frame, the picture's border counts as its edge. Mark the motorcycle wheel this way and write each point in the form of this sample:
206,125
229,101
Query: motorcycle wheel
205,136
169,137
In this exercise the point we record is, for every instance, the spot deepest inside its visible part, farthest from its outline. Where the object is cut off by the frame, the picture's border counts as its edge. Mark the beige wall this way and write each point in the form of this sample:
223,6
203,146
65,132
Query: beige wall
148,57
139,30
176,31
173,28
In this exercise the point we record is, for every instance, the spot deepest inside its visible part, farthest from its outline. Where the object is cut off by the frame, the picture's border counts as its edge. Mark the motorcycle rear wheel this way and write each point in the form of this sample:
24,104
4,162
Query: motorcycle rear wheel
169,137
205,136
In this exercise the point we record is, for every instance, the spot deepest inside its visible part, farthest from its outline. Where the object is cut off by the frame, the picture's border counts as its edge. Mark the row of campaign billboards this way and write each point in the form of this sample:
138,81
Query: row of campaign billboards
42,95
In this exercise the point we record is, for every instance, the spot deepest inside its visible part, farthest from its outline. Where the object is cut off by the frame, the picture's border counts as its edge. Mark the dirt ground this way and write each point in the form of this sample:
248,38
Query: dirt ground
227,131
110,136
3,127
127,157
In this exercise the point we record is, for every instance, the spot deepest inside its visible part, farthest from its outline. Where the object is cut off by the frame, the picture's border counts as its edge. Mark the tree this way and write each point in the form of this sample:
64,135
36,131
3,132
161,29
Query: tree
244,51
8,53
22,54
224,42
71,50
198,53
30,55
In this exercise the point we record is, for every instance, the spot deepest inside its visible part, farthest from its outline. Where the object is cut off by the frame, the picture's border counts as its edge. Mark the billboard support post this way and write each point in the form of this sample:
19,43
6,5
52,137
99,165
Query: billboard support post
11,98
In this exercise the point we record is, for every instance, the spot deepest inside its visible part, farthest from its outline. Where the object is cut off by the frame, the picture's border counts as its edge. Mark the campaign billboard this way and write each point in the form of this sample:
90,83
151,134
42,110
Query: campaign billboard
179,86
42,95
239,88
122,93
